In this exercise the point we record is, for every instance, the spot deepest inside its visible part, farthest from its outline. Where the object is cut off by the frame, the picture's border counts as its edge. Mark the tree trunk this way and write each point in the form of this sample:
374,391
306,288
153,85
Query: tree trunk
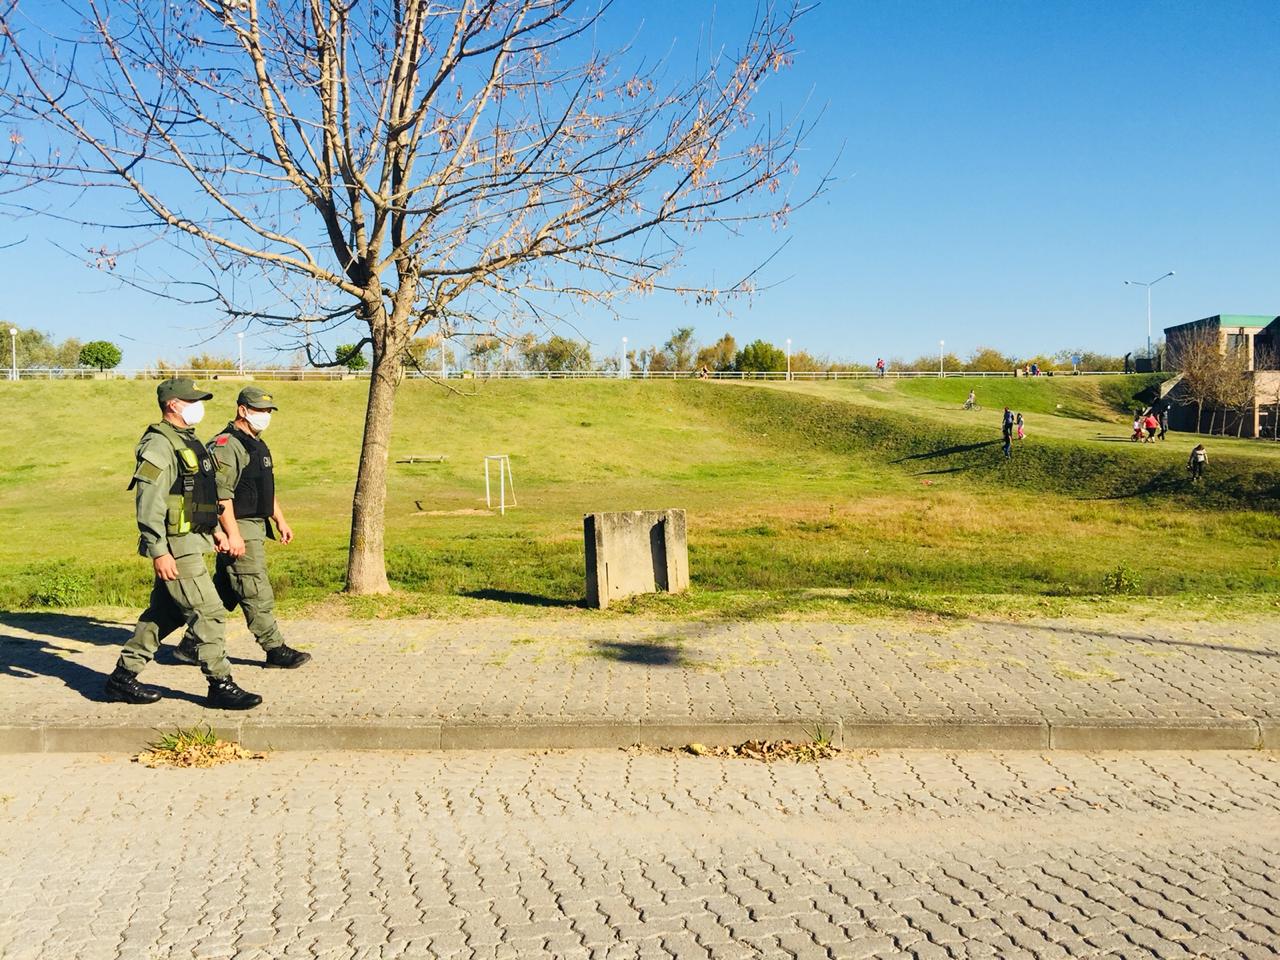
366,563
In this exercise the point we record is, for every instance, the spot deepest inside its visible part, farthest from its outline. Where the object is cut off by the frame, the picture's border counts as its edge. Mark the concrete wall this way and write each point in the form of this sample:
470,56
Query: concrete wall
644,551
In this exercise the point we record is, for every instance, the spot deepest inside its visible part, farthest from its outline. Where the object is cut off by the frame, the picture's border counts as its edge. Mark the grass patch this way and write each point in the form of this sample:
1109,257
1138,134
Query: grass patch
833,501
193,747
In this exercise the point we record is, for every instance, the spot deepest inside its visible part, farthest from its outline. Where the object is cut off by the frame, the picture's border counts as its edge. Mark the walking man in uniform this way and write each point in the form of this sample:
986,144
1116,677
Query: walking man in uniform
177,510
247,495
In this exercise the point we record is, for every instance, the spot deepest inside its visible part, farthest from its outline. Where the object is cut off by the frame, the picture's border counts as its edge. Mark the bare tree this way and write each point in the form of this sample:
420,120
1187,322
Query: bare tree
1233,387
1198,357
428,167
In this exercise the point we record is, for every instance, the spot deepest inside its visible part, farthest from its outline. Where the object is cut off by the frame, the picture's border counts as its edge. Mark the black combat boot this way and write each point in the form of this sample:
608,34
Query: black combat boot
188,651
286,657
123,687
224,694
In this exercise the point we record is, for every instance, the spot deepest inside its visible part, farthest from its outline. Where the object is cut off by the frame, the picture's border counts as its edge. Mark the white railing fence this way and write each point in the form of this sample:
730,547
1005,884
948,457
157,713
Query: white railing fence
326,374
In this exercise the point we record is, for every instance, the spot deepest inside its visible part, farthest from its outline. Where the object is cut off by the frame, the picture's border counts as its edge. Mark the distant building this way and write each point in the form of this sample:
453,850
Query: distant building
1256,334
1233,330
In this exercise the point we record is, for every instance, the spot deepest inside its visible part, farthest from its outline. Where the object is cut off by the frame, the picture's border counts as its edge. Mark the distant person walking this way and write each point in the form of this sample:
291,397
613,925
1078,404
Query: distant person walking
1022,427
1152,424
1164,422
1197,461
880,366
1006,430
1137,427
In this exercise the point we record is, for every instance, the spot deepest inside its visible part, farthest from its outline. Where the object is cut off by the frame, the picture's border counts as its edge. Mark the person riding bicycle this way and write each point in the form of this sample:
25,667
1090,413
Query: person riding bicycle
971,402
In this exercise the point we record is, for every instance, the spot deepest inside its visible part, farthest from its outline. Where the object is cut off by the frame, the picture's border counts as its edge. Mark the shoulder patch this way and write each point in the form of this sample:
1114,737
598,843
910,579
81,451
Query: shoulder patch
222,440
147,471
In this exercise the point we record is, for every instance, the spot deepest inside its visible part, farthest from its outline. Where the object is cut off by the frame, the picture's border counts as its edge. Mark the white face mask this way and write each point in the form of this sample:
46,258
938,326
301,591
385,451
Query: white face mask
192,413
258,419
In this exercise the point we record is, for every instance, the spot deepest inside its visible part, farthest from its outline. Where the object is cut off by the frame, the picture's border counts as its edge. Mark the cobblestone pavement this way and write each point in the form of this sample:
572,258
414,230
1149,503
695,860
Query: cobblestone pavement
52,668
615,855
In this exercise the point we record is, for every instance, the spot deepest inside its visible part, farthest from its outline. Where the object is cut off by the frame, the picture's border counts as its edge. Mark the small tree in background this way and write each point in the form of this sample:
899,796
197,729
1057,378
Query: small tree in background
38,350
759,356
989,360
351,356
209,361
102,354
679,348
718,356
558,354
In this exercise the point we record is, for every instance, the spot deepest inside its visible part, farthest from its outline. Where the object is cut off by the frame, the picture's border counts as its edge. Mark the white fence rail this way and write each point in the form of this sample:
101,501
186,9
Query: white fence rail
312,374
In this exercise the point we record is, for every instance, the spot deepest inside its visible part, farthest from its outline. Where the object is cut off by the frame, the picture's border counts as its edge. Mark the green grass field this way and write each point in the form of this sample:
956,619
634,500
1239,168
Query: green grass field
840,499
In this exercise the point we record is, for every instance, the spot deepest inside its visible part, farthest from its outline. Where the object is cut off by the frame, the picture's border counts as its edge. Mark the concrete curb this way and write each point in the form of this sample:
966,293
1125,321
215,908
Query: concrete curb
941,733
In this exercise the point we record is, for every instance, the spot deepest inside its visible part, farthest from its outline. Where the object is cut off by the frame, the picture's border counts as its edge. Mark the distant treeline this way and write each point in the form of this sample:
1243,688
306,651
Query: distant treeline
681,351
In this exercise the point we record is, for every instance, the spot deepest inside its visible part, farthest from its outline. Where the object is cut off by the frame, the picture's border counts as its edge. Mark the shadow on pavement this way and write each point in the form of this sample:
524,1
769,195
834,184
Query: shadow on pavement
1085,631
656,653
26,658
65,626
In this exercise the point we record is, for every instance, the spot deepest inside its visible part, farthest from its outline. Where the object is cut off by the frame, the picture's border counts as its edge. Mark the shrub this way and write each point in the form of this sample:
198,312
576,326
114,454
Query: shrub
1122,579
58,588
760,357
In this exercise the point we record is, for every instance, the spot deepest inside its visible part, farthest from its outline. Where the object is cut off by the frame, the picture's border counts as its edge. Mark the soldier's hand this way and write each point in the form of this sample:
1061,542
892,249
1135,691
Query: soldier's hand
286,532
235,546
166,567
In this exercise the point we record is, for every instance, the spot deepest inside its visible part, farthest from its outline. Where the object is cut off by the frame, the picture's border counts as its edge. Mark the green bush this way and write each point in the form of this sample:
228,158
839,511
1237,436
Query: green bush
59,588
1123,579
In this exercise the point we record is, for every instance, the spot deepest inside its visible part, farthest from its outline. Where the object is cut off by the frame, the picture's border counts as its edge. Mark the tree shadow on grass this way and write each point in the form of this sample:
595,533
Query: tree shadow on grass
25,658
523,599
948,451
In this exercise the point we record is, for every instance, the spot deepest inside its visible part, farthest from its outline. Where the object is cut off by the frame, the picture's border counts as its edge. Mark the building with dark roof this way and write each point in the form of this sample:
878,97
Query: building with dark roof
1258,335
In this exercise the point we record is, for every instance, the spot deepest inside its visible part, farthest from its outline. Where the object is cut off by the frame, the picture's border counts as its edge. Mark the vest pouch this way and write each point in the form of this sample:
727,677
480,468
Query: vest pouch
176,522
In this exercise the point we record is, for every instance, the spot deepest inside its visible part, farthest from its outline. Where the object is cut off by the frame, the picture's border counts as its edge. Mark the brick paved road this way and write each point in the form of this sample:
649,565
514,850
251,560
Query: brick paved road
605,854
52,668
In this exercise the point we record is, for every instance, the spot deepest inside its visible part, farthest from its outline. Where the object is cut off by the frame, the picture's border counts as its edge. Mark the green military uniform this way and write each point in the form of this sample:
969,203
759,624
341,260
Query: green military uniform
242,581
171,519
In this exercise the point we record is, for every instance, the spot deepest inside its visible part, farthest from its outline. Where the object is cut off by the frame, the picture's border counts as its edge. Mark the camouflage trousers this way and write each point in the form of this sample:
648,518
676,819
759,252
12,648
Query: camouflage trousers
191,600
242,582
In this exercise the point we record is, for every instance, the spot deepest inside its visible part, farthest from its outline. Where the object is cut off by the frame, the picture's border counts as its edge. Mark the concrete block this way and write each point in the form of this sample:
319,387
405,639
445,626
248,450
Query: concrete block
1270,734
95,738
538,736
269,735
643,551
1209,734
679,733
28,739
946,734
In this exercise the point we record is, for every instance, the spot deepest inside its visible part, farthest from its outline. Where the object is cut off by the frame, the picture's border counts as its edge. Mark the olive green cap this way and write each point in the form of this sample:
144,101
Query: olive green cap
180,388
257,398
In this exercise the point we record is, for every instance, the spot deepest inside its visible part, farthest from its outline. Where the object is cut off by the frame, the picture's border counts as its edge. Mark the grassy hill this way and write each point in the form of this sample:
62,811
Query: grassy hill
825,499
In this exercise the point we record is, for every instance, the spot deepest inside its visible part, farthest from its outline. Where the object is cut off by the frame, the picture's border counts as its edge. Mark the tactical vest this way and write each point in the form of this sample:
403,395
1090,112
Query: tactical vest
255,494
193,498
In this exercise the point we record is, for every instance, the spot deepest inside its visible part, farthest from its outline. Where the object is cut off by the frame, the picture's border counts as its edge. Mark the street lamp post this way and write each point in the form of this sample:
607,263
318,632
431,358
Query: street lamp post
788,358
624,368
941,344
240,340
13,353
1149,284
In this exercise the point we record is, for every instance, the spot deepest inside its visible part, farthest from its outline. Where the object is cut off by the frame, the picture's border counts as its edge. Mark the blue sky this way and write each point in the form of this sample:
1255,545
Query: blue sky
1002,168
